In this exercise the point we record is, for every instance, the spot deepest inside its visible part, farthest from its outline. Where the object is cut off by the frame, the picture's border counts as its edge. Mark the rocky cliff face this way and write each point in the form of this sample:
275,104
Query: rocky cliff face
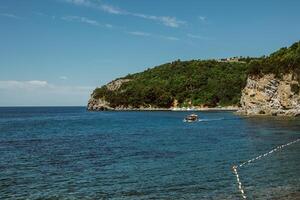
98,104
268,95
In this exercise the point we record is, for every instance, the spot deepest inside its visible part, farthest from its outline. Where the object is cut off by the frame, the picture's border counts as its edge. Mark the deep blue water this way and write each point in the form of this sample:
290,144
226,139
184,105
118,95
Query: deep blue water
69,153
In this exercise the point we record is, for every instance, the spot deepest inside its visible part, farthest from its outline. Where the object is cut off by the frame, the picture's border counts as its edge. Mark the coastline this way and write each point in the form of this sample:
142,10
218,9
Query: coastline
227,108
177,109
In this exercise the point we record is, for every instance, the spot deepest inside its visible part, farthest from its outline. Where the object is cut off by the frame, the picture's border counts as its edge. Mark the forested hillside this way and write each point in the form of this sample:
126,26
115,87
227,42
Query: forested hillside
207,83
283,61
193,82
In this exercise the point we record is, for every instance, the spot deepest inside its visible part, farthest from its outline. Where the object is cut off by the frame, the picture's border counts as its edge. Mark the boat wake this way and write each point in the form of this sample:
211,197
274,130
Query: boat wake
213,119
208,120
205,120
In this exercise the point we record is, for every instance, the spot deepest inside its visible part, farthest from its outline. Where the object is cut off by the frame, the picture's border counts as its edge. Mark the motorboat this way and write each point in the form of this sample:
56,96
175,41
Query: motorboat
191,118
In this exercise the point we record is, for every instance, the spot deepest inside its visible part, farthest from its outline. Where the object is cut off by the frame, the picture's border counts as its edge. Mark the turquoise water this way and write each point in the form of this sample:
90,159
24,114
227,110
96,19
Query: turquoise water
69,153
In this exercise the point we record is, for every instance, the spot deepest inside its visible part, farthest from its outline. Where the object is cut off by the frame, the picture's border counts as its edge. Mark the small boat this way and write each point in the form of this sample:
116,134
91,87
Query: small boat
191,118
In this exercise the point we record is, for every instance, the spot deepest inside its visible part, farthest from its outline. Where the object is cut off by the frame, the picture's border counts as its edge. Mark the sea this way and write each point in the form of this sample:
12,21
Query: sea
70,153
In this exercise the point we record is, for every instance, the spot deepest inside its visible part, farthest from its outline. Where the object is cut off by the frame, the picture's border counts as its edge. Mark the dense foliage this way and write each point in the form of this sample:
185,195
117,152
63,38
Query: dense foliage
280,62
209,83
195,82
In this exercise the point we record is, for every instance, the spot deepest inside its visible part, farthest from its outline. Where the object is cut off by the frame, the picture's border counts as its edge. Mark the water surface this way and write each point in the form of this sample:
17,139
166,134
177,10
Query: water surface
69,153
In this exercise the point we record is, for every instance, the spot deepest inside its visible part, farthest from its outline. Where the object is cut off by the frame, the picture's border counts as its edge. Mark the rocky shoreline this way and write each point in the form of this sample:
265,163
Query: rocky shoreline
101,105
265,95
169,109
270,95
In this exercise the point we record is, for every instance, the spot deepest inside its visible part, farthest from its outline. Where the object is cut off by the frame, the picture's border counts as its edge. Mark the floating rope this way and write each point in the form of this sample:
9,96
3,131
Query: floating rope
235,167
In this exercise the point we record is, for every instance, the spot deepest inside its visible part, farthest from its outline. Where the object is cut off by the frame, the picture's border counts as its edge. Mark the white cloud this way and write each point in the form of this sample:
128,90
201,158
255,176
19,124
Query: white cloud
144,34
171,21
41,14
86,21
96,23
9,15
81,19
112,10
37,85
108,26
63,77
169,38
202,18
200,37
12,84
80,2
98,5
138,33
165,20
39,92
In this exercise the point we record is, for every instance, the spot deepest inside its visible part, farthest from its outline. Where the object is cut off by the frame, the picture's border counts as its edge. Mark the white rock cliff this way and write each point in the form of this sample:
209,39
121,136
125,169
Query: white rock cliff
96,104
269,95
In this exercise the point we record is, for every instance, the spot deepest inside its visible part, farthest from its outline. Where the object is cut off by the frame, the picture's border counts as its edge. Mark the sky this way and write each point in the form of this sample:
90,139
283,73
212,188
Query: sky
55,52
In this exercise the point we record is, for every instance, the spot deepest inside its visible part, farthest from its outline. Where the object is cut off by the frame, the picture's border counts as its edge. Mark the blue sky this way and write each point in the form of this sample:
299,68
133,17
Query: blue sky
55,52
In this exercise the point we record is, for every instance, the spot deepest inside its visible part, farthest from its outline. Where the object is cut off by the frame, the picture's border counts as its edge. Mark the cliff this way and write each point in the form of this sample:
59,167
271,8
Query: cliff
99,103
272,86
268,95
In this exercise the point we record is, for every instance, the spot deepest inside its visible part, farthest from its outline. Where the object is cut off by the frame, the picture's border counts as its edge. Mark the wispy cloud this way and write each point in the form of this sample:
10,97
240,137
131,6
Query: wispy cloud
63,78
40,92
12,84
91,22
39,85
145,34
171,21
81,19
85,20
200,37
169,38
41,14
139,33
165,20
9,15
202,18
81,2
112,10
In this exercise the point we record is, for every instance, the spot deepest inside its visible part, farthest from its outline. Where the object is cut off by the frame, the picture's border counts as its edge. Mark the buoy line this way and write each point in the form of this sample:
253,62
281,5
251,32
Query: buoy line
235,167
